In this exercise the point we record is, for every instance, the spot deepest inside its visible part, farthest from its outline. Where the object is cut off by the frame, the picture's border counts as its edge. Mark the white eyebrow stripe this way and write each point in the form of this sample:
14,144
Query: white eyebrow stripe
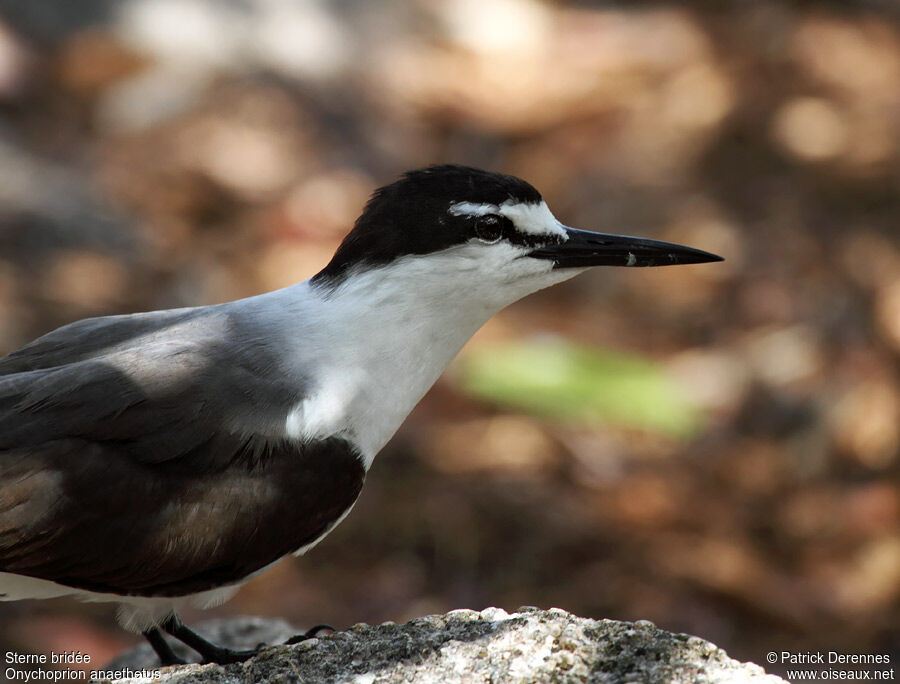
533,218
472,209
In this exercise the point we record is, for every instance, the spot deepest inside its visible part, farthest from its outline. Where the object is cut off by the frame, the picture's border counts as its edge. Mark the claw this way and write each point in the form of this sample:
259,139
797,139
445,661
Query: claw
309,634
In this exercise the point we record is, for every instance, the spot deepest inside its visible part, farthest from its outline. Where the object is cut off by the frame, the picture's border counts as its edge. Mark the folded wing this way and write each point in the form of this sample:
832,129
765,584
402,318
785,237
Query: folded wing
145,455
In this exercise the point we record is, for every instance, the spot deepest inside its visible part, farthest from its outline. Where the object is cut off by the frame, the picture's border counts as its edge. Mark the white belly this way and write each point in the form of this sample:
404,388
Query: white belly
136,613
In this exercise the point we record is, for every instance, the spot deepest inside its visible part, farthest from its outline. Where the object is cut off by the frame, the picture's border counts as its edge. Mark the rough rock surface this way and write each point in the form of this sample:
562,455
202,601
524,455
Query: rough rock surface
529,645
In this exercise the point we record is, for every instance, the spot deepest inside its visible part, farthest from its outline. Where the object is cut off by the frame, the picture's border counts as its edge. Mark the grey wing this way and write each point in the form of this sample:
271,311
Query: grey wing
140,463
159,385
92,337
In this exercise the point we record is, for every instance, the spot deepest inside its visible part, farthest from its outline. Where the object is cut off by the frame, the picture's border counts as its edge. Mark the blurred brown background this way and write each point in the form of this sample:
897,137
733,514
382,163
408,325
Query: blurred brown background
163,153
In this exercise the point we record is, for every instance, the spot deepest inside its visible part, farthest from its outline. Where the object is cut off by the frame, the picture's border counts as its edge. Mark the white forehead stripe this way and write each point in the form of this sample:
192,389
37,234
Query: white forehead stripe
534,218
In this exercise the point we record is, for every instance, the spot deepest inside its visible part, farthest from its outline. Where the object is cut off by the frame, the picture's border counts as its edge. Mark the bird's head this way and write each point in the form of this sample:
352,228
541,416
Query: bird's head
461,228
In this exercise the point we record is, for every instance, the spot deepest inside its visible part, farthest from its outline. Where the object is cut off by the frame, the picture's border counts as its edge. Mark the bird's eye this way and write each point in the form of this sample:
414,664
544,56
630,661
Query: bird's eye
488,229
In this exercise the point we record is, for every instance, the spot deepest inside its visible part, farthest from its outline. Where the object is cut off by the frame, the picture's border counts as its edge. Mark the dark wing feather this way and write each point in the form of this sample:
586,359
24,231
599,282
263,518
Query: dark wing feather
134,456
77,513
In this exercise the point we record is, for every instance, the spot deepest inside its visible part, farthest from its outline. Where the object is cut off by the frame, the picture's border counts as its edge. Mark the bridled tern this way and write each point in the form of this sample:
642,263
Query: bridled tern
162,457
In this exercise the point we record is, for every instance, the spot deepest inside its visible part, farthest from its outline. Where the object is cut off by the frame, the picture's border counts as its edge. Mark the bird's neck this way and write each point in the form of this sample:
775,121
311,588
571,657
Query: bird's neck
376,345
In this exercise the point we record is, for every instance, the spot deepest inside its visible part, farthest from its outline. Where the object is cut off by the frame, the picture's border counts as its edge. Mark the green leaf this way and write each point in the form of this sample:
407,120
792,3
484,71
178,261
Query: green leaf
579,384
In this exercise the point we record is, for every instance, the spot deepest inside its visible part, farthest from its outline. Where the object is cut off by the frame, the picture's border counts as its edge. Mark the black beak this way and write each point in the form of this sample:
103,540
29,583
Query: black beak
584,248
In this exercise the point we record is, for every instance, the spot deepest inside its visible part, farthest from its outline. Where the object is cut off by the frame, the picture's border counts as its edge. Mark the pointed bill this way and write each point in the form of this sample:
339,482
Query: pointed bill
583,248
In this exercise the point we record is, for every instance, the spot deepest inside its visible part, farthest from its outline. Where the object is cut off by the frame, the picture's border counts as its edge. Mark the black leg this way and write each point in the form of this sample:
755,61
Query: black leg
166,655
210,652
308,634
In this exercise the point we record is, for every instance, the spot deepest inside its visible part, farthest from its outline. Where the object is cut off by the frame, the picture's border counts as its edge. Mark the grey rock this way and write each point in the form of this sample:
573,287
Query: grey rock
529,645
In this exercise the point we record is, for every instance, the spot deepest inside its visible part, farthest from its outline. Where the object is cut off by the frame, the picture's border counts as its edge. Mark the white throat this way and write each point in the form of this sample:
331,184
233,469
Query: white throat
372,347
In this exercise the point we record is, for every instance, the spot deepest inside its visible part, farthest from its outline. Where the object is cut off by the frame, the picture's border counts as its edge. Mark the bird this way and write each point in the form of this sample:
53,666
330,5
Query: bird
164,458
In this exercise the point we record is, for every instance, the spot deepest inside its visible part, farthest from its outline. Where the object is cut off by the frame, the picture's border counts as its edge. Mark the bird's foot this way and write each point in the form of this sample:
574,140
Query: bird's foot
308,634
210,652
